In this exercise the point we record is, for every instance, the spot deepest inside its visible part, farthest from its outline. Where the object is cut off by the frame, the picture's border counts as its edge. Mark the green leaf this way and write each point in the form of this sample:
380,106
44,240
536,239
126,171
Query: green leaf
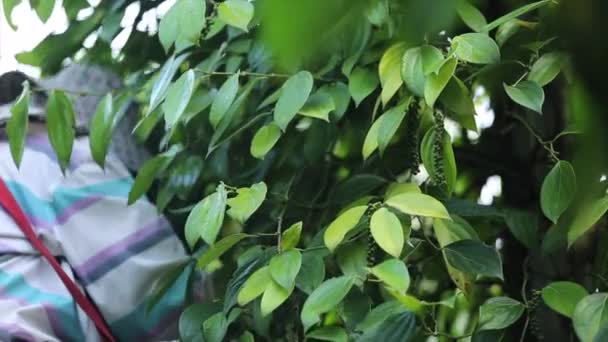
291,236
412,203
585,217
60,119
361,83
387,231
223,99
215,327
457,98
499,313
391,120
528,94
558,189
395,189
412,71
393,273
370,144
264,139
341,225
16,127
476,48
324,298
506,31
255,285
284,268
273,297
166,280
219,248
590,314
191,319
432,59
471,16
474,257
106,118
294,93
318,106
178,96
182,24
205,220
147,173
200,100
524,226
352,260
389,71
436,82
43,8
340,94
7,7
380,314
330,333
247,201
396,328
237,13
311,273
165,75
514,14
563,296
546,68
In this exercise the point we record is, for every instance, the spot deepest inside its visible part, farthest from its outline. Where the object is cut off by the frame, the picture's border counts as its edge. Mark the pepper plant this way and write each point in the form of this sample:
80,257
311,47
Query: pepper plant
323,162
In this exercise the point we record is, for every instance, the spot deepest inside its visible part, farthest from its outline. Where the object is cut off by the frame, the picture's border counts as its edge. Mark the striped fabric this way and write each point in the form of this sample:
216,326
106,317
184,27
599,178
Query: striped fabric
113,251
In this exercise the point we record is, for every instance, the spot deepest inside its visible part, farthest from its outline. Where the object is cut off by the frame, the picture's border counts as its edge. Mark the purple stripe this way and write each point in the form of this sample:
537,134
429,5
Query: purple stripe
41,143
112,256
51,314
66,213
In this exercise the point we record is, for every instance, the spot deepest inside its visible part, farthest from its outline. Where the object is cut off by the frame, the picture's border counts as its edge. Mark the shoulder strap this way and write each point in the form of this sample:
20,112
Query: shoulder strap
9,203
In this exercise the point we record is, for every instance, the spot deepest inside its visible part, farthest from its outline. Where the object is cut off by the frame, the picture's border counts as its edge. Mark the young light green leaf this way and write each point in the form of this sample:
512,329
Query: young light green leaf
590,315
247,201
370,144
7,7
330,333
284,268
412,71
294,93
387,231
393,273
471,16
558,189
395,189
215,327
341,225
273,297
237,13
457,98
178,96
291,236
254,286
546,68
389,71
499,313
324,298
514,14
318,106
60,119
506,31
528,94
436,82
476,48
473,257
223,99
182,24
165,75
16,127
413,203
264,139
361,83
563,296
391,120
432,59
205,220
219,248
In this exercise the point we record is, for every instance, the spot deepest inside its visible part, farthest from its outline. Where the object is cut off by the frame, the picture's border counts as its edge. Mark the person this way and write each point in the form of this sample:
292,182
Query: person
112,251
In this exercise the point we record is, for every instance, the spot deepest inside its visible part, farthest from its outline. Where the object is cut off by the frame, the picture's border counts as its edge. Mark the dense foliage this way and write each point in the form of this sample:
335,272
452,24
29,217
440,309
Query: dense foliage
322,160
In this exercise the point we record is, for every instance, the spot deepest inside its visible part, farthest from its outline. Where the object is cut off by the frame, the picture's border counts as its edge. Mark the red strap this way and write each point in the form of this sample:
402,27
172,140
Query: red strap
14,210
